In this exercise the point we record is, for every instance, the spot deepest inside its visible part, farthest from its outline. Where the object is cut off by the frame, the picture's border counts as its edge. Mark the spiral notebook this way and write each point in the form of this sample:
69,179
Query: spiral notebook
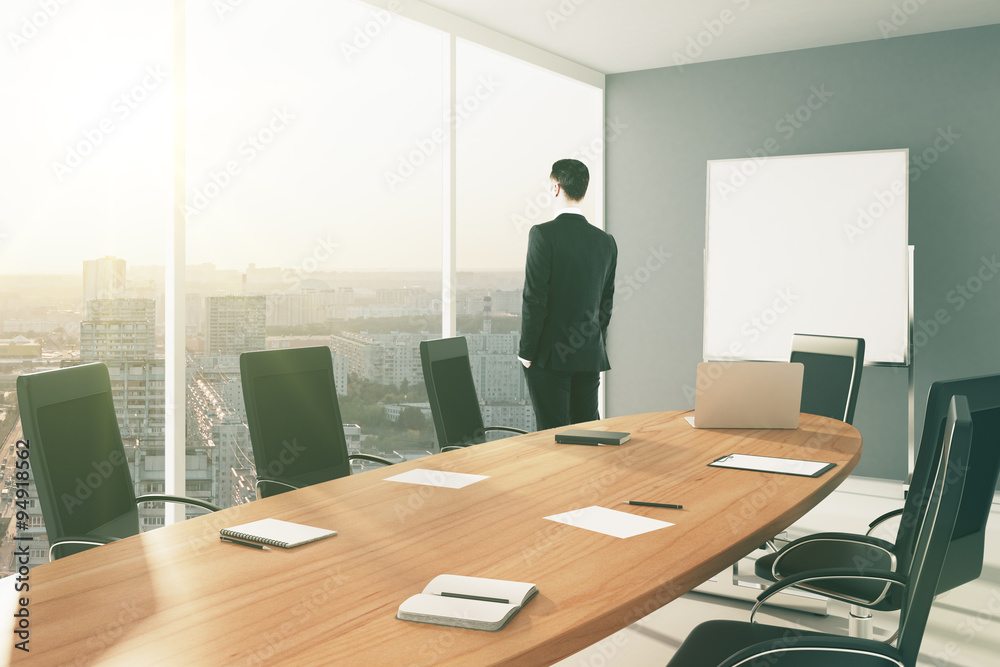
277,533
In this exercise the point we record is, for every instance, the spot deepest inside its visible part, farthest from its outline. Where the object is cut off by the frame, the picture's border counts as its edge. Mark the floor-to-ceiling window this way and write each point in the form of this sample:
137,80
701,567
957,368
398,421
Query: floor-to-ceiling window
315,181
314,199
516,119
86,201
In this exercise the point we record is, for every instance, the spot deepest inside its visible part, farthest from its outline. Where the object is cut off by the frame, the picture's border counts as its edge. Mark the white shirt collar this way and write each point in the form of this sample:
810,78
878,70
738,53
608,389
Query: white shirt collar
568,209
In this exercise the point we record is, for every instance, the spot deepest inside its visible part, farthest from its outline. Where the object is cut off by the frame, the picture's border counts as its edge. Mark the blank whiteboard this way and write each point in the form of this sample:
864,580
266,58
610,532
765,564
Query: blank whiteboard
807,244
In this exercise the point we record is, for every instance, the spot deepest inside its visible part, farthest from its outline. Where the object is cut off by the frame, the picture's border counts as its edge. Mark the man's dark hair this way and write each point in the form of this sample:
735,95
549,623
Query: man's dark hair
572,176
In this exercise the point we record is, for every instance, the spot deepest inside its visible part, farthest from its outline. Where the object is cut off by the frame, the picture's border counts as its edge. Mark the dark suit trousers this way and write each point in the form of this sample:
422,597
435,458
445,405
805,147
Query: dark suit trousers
562,397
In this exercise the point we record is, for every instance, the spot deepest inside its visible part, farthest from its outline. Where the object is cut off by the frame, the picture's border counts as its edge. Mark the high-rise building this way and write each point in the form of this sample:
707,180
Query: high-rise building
383,358
235,324
121,333
118,330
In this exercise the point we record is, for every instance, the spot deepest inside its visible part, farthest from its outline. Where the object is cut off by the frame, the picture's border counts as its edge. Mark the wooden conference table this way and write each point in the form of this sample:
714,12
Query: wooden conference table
179,596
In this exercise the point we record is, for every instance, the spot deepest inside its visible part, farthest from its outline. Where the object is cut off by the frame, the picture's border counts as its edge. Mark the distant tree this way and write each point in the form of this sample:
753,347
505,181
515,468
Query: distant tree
412,419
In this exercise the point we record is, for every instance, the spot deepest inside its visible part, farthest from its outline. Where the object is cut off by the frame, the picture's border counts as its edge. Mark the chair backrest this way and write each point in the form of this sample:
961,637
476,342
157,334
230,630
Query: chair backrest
293,415
965,556
76,453
832,375
458,419
950,485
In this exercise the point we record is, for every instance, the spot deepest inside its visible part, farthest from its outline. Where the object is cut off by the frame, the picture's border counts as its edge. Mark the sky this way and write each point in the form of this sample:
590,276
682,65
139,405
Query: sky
313,137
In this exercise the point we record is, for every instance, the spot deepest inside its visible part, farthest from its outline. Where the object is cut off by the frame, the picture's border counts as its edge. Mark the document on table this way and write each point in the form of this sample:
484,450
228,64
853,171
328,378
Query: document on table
773,464
608,521
448,480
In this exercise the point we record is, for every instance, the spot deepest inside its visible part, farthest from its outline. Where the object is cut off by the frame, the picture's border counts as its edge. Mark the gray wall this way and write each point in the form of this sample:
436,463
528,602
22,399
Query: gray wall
936,94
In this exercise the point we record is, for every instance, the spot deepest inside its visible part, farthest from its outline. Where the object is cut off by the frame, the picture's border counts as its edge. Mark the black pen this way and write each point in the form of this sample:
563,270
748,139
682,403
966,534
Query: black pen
645,504
474,597
243,542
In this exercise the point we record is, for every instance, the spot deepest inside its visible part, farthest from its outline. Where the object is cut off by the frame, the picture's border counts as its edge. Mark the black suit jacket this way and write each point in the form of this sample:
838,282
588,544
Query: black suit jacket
569,286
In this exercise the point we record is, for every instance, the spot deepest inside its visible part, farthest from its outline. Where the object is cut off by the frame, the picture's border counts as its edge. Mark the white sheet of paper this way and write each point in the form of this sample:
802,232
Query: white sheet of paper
608,521
690,420
449,480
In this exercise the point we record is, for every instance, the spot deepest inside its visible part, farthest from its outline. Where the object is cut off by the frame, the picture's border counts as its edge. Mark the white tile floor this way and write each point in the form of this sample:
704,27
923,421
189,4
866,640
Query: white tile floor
963,629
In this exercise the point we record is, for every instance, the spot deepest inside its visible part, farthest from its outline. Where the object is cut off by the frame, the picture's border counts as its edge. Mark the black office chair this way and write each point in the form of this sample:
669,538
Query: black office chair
78,459
965,555
832,375
458,419
736,643
294,419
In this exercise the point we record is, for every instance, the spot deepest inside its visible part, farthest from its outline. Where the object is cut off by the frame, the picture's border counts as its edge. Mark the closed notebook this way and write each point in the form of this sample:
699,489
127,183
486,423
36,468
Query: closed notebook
277,533
467,602
576,436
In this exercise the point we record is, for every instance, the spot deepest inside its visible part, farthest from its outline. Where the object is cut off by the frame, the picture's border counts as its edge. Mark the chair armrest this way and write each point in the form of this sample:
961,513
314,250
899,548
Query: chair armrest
823,548
369,457
268,480
835,573
161,498
805,650
92,540
509,429
882,519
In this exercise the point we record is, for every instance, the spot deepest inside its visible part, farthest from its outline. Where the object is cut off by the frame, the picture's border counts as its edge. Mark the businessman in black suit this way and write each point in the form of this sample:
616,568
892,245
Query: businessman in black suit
569,285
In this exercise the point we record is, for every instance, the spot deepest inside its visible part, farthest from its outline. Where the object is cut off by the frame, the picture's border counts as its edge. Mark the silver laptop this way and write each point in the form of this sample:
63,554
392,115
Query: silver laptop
748,394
